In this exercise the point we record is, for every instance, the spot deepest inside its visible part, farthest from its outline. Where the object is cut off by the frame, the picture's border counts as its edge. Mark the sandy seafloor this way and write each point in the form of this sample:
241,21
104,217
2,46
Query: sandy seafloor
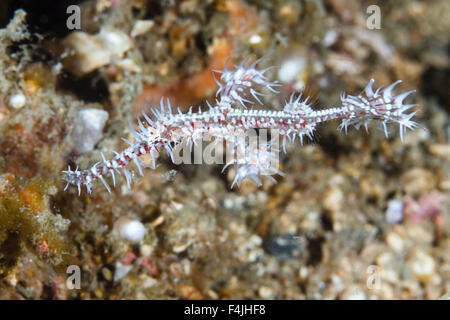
356,216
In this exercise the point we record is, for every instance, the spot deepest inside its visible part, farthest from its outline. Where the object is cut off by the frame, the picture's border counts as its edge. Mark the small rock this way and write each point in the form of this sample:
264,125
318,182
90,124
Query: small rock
132,230
293,71
333,199
342,64
420,234
17,101
265,292
147,281
189,292
88,128
141,27
303,273
85,52
386,291
107,274
394,212
353,293
121,271
180,247
385,259
158,221
129,65
145,250
440,150
417,181
422,265
445,185
290,12
395,241
285,246
337,282
255,39
370,186
330,38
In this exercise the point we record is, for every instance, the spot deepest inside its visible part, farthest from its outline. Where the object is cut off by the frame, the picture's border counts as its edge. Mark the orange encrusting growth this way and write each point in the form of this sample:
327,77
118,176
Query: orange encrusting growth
244,20
32,199
185,92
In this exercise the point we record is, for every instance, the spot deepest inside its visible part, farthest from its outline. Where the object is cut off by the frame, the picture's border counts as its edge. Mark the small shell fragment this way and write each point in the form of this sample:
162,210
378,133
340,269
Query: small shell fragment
141,27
